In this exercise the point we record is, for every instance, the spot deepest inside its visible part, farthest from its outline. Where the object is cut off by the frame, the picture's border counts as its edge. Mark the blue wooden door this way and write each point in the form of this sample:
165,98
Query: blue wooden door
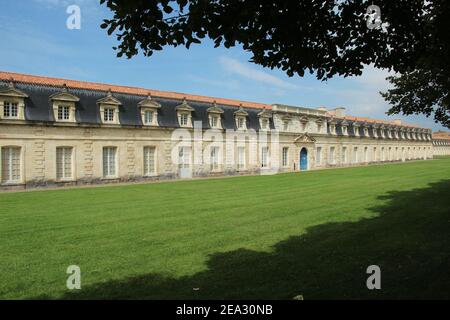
304,159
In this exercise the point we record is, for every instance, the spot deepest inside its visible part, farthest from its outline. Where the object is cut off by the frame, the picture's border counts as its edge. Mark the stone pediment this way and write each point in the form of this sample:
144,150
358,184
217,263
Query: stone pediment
184,106
149,103
109,99
241,112
304,138
11,91
214,109
64,95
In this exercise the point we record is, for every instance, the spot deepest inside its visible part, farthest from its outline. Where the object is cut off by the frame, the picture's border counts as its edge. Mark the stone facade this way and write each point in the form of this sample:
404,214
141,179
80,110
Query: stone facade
441,143
49,151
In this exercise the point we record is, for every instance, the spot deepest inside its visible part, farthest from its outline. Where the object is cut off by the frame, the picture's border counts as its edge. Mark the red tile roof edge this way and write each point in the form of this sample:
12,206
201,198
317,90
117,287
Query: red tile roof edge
364,119
441,135
58,82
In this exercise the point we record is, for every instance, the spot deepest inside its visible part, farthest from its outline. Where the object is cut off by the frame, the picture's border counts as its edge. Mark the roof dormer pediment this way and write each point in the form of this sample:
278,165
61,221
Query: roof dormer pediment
241,112
12,91
64,95
149,103
184,106
109,99
214,109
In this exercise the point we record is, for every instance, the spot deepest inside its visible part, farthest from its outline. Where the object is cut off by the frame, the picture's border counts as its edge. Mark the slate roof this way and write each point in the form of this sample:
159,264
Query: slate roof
38,107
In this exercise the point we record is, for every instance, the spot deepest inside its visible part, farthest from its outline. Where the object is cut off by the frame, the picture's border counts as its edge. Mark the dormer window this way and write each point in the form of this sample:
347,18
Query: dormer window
286,125
184,119
148,117
149,111
344,131
241,123
214,121
356,127
63,113
366,132
10,110
241,118
109,109
184,114
264,119
64,105
214,113
332,126
108,114
12,103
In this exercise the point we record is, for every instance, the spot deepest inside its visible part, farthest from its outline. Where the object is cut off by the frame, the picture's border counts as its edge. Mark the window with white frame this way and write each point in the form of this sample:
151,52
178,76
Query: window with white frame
355,155
10,110
109,162
331,155
344,130
344,154
184,157
214,158
184,119
149,117
63,112
11,164
108,114
382,154
264,157
214,121
64,163
285,157
240,123
319,155
241,158
374,154
149,161
366,154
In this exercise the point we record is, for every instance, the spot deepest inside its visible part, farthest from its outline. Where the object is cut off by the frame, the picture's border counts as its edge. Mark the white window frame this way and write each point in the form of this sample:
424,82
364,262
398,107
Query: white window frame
285,156
319,155
184,157
214,121
7,164
107,172
149,117
264,157
109,115
63,112
214,153
8,107
149,165
61,167
241,160
331,155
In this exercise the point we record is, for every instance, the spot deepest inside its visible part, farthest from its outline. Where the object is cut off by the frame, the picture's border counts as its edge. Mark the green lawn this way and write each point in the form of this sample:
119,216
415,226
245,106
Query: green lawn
311,233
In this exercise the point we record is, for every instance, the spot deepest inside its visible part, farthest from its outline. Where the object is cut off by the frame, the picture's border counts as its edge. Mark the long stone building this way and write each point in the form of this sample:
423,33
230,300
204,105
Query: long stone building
441,143
65,132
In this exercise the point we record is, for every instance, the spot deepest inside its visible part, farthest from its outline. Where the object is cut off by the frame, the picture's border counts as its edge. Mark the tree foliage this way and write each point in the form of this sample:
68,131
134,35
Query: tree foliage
325,38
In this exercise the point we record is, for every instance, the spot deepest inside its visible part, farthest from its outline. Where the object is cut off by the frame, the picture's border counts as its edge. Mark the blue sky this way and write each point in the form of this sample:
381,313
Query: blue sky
35,40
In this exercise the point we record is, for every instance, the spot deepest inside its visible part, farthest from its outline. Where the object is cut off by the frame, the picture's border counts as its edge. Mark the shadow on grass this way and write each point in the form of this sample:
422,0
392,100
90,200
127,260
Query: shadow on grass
409,240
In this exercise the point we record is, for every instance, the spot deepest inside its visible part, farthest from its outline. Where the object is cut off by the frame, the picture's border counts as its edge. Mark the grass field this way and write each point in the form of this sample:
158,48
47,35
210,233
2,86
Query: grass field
311,233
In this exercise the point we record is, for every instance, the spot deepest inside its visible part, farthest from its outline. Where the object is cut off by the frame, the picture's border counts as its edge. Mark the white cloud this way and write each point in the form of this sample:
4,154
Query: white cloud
235,67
